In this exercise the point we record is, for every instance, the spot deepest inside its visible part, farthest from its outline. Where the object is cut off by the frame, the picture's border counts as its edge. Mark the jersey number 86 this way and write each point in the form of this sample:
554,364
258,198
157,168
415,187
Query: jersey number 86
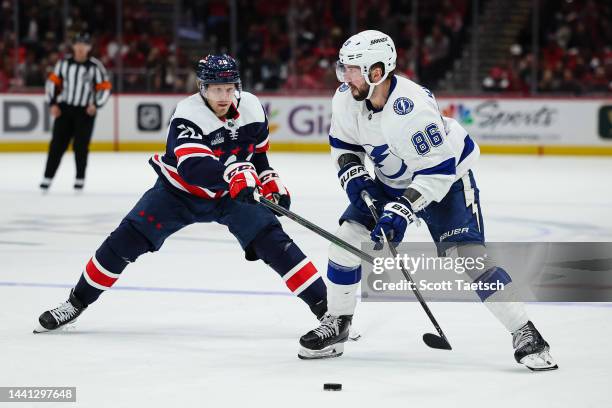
424,141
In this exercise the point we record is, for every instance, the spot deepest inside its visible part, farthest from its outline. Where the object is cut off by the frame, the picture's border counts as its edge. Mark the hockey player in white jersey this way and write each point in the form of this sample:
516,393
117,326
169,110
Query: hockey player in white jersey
422,165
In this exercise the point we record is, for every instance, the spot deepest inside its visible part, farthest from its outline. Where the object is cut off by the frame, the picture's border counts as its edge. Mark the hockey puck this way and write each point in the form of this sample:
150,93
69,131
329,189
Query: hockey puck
332,387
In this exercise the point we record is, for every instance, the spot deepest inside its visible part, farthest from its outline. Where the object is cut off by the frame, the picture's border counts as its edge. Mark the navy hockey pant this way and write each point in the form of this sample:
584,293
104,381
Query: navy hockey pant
454,222
162,211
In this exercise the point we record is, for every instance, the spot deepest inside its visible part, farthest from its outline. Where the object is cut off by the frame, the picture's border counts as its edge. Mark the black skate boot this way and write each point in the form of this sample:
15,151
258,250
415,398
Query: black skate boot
45,184
320,311
79,184
531,349
65,313
327,340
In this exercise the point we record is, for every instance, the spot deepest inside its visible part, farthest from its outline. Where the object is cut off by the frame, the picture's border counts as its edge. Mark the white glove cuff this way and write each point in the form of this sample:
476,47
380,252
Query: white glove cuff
235,168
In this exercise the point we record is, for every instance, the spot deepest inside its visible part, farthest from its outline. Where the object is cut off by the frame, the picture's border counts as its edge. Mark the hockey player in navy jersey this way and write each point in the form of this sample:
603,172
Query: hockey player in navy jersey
422,166
214,163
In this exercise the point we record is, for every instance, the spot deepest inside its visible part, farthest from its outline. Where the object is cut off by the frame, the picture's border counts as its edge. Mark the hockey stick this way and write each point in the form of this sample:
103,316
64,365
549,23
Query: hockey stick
316,229
433,341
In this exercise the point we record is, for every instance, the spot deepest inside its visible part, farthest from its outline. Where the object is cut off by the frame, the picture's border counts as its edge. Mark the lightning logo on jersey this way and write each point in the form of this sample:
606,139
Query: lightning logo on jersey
383,158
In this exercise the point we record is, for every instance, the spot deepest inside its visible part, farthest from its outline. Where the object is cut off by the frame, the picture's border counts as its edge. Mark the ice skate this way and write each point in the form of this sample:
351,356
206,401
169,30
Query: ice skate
79,184
327,340
45,184
62,315
531,350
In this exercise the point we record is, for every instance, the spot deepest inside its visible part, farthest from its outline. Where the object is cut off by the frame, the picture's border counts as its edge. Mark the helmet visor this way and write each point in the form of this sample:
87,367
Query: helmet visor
220,92
347,73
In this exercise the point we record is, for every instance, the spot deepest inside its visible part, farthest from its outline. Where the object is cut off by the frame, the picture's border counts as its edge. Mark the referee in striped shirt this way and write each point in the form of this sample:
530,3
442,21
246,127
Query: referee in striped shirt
75,90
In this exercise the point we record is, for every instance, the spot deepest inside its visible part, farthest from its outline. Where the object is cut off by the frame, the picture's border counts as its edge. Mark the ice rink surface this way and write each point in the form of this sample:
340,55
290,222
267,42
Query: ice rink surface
195,325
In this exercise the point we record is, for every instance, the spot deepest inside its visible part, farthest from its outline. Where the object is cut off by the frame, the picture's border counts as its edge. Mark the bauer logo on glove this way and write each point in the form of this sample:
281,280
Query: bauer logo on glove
354,179
353,172
393,222
401,209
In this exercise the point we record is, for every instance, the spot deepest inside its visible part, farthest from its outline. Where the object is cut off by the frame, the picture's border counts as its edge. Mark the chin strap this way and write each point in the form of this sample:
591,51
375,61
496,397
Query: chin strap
371,91
373,84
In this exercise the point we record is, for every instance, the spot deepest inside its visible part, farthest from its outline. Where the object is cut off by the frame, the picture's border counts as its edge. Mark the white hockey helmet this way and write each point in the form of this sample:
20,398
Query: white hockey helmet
364,50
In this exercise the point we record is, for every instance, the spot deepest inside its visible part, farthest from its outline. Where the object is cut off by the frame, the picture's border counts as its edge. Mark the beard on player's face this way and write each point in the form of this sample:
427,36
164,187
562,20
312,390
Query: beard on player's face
360,92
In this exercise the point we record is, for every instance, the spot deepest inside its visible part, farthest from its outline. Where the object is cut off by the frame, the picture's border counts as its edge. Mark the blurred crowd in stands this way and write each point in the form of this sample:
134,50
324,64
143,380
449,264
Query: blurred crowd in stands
288,45
280,44
575,52
145,56
297,47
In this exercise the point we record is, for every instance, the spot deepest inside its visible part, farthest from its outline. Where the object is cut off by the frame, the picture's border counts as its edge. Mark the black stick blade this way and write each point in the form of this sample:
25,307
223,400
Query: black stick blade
436,342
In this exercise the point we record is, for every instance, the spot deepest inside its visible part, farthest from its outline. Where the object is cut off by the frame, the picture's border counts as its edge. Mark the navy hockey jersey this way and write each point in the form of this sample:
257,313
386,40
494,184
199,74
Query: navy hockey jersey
200,145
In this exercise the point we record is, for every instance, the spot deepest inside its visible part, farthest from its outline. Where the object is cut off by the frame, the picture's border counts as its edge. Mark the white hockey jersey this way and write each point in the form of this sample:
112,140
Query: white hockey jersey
408,141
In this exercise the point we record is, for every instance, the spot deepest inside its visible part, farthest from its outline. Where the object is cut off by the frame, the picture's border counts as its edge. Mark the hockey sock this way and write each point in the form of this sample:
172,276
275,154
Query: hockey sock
123,246
276,249
344,270
343,283
503,303
101,272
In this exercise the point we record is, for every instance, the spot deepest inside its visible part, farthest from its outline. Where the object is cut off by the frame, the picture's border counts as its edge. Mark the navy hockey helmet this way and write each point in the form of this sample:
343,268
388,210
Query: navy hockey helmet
218,69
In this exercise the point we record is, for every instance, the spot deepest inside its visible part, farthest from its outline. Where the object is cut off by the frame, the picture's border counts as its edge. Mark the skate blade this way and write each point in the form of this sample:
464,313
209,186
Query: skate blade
66,327
539,362
39,329
335,350
354,334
